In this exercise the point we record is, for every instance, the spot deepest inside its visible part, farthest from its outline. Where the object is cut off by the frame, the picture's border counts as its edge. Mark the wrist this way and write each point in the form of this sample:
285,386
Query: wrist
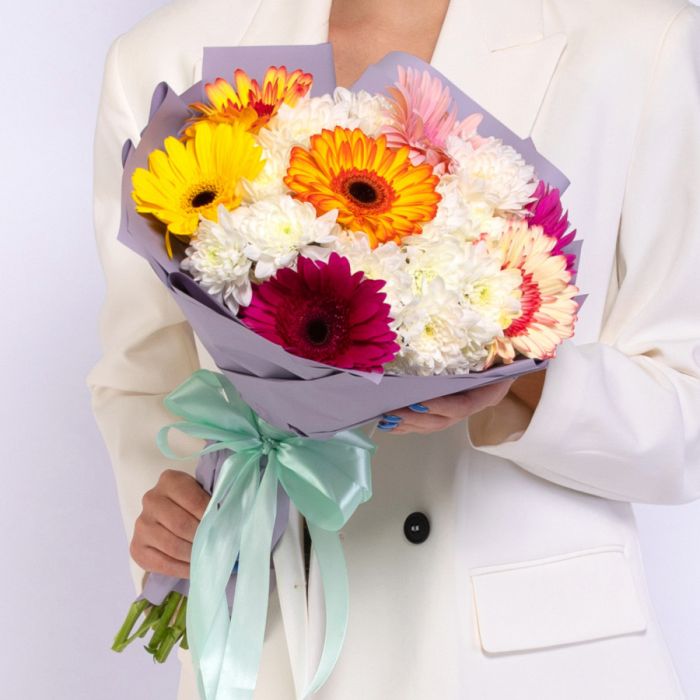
504,422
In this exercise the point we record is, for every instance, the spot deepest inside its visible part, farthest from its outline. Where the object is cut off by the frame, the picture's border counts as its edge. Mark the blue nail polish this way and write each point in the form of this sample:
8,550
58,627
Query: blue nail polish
419,408
389,418
386,426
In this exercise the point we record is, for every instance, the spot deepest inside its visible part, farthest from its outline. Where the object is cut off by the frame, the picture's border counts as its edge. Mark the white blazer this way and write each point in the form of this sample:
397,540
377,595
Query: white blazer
530,584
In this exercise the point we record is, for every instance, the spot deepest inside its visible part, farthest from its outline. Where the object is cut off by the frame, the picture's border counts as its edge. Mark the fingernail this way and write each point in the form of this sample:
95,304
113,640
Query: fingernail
390,418
386,426
419,408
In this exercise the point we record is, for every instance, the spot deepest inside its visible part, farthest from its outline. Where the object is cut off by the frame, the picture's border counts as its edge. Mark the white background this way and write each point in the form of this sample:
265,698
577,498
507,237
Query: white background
65,585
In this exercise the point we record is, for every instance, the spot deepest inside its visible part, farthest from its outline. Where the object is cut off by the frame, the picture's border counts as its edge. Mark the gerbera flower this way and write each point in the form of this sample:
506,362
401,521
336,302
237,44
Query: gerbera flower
325,313
547,308
249,103
374,188
190,180
423,115
546,211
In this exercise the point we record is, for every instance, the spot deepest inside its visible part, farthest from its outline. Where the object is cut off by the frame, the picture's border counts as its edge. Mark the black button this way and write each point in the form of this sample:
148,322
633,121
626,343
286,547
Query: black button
416,528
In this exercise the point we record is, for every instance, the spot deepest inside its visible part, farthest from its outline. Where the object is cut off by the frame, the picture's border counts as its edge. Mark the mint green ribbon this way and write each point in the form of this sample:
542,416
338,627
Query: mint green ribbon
325,479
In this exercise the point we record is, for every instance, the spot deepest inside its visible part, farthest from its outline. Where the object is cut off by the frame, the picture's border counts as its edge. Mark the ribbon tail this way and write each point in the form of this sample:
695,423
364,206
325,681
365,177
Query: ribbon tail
334,576
246,633
214,550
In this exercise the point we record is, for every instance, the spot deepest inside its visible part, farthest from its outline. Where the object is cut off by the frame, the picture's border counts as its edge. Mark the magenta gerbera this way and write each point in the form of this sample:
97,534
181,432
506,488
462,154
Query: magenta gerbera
548,213
323,312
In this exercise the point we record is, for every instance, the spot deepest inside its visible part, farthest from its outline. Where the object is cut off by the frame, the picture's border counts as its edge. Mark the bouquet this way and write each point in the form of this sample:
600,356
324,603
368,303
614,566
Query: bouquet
340,253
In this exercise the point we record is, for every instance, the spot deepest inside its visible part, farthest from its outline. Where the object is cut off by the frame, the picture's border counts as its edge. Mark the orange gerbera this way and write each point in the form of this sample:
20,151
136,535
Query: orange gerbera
376,189
547,307
247,102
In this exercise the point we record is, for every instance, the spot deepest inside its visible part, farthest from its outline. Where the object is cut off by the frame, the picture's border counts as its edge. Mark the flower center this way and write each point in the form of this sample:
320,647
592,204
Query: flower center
262,108
202,195
317,328
202,199
362,192
317,331
365,191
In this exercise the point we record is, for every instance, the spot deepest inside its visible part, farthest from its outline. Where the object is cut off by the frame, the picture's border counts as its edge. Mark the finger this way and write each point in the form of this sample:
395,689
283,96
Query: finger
152,559
169,514
422,430
420,423
155,535
464,403
184,490
453,406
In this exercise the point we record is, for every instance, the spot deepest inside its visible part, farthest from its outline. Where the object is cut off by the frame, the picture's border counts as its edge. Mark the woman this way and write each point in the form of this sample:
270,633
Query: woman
498,556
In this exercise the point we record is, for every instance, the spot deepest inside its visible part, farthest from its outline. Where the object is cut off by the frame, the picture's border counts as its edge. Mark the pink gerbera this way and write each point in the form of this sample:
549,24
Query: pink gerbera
323,312
423,116
547,212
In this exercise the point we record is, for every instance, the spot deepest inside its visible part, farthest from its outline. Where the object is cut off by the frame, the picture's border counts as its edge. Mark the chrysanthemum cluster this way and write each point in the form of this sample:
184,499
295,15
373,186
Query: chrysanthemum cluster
373,232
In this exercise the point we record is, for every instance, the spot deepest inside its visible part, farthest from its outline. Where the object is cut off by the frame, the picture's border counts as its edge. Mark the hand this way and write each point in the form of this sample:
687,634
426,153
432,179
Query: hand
164,531
443,412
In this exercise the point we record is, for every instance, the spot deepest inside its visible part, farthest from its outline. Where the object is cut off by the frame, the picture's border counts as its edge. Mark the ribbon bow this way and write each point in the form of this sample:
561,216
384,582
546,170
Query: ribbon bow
326,480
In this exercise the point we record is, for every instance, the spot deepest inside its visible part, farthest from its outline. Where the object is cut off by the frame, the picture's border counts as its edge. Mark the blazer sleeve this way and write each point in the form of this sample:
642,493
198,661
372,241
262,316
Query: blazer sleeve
620,418
147,346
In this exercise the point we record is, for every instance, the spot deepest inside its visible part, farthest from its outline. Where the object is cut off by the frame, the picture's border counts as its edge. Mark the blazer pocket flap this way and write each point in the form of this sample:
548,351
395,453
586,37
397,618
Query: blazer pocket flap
578,596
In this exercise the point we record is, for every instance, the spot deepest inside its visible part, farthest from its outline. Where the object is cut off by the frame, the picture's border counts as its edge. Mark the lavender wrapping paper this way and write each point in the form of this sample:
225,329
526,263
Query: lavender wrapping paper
292,393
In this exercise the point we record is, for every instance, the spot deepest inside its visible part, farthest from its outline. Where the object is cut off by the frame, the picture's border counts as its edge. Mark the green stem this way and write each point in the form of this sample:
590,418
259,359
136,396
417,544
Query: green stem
121,638
166,645
151,619
167,620
170,605
173,633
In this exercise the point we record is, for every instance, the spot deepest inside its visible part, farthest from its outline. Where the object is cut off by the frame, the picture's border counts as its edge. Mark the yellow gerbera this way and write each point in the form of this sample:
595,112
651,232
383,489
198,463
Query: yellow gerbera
547,307
192,179
248,102
376,189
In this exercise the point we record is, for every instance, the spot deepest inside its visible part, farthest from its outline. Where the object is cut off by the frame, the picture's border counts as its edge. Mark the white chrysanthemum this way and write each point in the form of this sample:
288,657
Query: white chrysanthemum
453,213
439,335
491,291
385,262
294,126
278,229
270,181
216,260
363,111
432,257
493,176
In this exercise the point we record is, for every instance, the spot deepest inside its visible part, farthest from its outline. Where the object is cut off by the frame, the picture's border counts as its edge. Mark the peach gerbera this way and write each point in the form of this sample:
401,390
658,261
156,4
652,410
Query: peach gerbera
547,307
374,188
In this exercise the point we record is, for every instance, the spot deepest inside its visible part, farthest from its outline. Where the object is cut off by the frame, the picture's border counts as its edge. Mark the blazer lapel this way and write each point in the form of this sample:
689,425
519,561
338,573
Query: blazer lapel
289,22
496,51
